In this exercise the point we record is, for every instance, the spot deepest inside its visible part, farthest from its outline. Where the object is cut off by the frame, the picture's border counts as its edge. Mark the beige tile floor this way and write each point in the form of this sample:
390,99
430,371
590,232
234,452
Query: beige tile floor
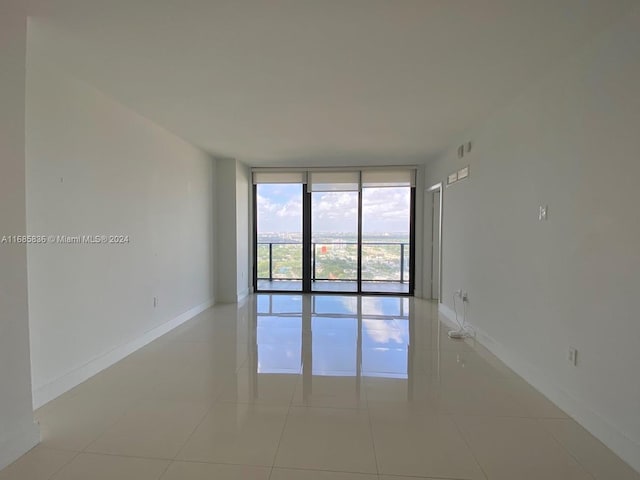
291,387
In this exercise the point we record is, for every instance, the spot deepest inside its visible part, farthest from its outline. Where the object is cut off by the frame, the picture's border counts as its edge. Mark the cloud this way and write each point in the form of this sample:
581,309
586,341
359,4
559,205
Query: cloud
335,212
386,201
384,210
279,208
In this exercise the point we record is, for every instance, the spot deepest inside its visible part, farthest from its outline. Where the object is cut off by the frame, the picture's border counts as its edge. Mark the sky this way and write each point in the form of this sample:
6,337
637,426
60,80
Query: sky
383,210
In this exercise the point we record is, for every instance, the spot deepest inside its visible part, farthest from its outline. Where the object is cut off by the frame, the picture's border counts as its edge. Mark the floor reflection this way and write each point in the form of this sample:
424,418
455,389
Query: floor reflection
325,337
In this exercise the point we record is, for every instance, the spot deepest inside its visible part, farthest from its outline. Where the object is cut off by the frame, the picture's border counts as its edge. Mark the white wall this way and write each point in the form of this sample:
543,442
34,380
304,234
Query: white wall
227,230
96,167
233,230
243,229
538,287
18,433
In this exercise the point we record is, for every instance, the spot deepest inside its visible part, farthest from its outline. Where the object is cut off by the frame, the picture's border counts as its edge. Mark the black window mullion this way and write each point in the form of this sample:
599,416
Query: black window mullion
412,243
359,273
306,239
255,238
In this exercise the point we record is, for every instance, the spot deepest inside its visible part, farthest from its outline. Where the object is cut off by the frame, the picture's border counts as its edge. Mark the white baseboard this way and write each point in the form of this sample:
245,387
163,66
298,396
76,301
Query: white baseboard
244,294
449,315
15,445
46,393
626,448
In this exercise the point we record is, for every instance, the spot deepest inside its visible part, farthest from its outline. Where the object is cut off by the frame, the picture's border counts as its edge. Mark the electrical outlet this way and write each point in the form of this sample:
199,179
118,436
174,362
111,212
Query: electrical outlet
573,356
465,296
458,293
542,212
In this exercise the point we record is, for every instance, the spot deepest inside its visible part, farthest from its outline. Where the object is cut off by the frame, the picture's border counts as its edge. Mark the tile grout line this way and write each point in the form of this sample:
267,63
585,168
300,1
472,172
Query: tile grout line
204,416
193,431
166,469
284,426
125,455
63,466
464,439
362,474
136,401
485,415
541,423
373,441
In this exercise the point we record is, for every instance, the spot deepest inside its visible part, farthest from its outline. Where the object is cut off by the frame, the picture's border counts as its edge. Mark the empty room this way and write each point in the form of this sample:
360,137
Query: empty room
319,239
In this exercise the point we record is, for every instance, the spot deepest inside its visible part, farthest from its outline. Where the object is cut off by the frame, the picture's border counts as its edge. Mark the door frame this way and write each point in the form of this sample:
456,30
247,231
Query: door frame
437,188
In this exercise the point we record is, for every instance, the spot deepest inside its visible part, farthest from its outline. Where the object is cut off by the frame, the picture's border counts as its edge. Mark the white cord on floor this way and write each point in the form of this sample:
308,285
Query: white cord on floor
464,330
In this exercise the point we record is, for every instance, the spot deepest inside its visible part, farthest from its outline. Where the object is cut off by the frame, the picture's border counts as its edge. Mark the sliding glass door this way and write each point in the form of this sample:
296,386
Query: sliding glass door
386,230
334,231
279,237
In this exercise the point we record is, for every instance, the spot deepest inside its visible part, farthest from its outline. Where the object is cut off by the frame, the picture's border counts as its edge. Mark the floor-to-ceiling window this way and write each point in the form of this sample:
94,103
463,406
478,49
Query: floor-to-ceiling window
334,231
386,231
278,232
346,231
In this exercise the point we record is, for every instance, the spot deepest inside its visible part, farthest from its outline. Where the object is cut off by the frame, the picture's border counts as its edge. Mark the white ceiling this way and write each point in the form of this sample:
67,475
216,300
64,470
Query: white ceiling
275,82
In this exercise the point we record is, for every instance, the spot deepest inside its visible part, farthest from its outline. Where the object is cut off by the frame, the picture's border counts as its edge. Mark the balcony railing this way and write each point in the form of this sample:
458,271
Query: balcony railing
381,261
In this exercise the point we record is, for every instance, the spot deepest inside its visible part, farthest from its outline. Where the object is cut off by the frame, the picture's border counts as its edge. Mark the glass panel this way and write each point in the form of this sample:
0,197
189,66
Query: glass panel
385,239
287,261
263,259
279,248
334,241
